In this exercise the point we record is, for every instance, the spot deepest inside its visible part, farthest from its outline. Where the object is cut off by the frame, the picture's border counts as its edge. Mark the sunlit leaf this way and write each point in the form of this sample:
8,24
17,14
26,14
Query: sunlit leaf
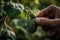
22,16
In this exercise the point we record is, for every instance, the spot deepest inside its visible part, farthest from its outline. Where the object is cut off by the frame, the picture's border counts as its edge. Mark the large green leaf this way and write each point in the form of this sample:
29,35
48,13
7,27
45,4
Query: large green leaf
13,9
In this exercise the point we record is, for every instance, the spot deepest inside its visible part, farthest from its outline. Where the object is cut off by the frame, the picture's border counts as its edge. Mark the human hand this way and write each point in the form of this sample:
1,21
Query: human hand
49,19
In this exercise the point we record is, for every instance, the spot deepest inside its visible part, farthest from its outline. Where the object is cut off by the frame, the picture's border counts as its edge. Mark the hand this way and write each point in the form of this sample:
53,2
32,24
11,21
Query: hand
48,19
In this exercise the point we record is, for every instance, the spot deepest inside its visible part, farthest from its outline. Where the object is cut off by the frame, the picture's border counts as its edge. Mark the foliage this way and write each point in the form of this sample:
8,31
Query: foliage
21,19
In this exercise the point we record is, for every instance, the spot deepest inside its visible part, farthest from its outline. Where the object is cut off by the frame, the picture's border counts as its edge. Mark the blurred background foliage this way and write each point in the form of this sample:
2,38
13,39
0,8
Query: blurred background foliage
21,16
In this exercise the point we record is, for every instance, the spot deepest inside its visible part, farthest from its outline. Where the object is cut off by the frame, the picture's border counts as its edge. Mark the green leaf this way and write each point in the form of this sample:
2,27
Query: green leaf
22,33
20,22
7,35
22,16
13,9
32,26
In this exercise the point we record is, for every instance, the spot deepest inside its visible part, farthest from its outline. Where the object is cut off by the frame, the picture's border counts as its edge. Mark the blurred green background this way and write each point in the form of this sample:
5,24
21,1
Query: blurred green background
21,14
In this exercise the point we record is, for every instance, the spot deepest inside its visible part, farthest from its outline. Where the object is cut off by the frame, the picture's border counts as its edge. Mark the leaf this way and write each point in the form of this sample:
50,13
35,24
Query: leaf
20,22
22,33
32,26
13,9
22,16
7,35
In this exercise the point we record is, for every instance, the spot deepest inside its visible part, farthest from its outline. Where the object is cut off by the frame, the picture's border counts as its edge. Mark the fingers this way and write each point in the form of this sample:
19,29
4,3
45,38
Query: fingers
42,21
48,11
45,21
45,11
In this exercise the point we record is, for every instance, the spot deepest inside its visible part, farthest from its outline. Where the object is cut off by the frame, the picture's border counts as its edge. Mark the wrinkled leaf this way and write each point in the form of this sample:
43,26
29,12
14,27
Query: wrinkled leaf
32,26
7,35
13,9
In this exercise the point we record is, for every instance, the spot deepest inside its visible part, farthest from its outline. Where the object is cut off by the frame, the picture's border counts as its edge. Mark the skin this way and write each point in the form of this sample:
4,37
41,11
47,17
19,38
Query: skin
49,18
